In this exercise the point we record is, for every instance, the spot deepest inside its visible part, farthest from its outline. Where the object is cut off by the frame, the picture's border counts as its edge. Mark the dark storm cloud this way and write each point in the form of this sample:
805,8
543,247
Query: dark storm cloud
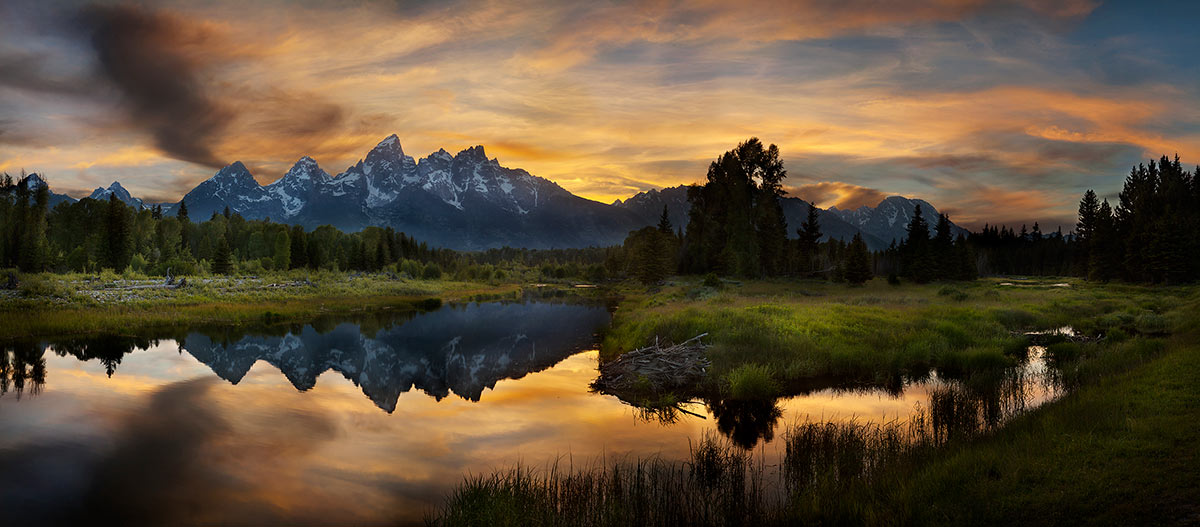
25,71
154,60
172,77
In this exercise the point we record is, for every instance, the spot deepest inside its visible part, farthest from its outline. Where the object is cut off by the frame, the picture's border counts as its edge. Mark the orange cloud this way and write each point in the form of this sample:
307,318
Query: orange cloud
835,193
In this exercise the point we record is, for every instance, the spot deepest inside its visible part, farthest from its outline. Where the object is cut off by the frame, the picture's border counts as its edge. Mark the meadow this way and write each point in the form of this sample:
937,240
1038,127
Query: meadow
73,304
1117,448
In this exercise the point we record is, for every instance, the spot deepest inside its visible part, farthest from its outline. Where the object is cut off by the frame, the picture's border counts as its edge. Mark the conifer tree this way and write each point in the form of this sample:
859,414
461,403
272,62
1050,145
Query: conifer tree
664,223
116,241
858,261
809,236
918,260
223,259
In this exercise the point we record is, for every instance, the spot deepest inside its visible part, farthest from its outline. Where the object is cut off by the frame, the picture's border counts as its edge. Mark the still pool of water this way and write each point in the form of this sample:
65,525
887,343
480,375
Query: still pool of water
368,419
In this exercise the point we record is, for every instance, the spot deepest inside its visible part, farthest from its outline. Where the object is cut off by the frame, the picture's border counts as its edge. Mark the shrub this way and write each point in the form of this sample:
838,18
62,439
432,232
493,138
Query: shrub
711,280
752,382
33,286
431,272
893,279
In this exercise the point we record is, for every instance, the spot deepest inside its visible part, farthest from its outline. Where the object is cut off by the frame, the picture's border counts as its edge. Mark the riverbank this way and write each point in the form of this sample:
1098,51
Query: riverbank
1118,448
80,304
784,337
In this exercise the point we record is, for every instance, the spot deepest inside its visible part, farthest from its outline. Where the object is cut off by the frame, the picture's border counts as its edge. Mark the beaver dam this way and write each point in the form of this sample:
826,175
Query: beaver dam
655,369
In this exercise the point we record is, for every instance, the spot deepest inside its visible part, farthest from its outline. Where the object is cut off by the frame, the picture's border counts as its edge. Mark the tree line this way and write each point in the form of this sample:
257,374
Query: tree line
735,227
1153,233
92,235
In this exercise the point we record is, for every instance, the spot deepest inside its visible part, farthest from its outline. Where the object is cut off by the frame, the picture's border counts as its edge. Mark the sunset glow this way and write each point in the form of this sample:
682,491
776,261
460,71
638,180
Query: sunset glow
995,111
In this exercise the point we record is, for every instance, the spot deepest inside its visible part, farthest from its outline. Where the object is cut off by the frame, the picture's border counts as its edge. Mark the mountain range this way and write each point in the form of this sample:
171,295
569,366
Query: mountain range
467,201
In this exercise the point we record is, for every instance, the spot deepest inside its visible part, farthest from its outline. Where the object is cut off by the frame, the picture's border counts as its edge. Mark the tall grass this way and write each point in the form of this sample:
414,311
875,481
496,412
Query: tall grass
719,484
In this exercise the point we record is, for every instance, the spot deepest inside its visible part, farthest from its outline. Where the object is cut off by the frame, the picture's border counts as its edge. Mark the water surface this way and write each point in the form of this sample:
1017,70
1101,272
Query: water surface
368,419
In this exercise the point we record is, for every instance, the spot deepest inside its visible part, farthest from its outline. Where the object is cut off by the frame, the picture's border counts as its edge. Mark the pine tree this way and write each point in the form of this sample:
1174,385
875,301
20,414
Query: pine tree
298,247
858,261
223,259
809,235
1085,231
918,260
664,223
116,241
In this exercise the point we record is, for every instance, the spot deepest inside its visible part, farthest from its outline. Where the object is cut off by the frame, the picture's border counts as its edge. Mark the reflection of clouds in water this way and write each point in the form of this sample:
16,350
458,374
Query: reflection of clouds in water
181,457
260,452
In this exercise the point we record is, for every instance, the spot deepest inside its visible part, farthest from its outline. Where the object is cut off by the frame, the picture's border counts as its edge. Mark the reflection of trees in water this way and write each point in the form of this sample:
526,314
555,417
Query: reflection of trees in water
108,349
22,369
982,402
746,422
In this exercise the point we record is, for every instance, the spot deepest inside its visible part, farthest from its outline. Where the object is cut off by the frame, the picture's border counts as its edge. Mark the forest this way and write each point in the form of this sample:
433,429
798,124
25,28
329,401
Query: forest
735,228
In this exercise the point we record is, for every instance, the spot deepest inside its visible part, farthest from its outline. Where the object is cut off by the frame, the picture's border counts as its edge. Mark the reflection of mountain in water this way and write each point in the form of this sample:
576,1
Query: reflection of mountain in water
459,349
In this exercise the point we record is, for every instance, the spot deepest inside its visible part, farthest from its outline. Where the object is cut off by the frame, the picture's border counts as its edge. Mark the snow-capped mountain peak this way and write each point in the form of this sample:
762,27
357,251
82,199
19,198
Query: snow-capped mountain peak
115,189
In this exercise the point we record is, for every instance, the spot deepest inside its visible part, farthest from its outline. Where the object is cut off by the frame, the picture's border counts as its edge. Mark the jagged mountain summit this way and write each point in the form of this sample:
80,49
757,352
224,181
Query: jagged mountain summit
115,189
889,219
468,201
33,181
462,201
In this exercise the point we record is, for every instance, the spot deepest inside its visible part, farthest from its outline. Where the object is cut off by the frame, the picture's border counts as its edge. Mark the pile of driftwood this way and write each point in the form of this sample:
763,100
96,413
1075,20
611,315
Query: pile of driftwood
655,368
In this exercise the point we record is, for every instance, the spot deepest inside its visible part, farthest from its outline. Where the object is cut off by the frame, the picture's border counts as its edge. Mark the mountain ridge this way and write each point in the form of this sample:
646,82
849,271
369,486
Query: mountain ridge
467,201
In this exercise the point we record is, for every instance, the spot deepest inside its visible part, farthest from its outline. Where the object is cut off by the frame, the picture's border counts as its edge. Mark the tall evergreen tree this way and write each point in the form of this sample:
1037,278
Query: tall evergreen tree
116,240
299,247
858,261
808,239
664,223
223,259
1085,230
918,263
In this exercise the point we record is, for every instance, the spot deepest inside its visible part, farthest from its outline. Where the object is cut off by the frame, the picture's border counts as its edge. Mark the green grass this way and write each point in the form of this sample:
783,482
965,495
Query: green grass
64,305
811,330
1120,448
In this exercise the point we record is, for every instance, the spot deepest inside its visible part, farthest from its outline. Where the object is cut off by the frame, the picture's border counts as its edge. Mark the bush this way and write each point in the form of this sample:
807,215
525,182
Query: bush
34,286
893,279
711,280
431,272
752,382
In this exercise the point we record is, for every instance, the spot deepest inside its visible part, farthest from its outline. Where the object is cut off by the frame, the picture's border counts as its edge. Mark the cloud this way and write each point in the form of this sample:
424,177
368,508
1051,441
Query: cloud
157,62
835,193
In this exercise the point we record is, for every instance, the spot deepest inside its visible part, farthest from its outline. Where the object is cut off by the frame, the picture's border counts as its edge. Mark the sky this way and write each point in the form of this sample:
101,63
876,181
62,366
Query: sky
995,112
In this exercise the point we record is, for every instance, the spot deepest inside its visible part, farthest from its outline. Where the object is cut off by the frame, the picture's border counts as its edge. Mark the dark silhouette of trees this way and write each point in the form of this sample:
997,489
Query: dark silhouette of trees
116,231
807,242
223,260
916,253
736,225
1154,233
650,254
858,267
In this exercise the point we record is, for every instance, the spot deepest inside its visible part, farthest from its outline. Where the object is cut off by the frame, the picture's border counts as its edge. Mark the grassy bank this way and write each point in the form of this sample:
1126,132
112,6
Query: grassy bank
792,334
79,304
1119,448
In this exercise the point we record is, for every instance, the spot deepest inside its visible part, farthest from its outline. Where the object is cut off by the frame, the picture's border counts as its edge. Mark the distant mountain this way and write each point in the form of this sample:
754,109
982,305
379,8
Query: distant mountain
463,201
647,206
467,201
103,194
33,181
889,219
